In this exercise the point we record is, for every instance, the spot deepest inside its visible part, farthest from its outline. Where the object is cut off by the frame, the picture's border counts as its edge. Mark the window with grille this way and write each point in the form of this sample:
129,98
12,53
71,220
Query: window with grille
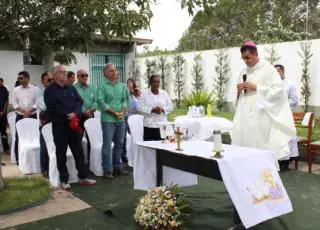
98,61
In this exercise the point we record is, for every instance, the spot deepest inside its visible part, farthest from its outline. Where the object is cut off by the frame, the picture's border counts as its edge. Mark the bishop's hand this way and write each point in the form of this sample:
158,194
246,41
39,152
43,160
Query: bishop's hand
249,86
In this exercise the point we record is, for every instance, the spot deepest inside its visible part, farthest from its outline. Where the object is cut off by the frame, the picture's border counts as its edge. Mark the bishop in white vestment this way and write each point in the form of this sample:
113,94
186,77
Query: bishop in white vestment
263,117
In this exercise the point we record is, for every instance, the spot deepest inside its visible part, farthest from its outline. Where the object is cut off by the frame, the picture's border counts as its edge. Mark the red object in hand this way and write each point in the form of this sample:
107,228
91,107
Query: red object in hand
74,124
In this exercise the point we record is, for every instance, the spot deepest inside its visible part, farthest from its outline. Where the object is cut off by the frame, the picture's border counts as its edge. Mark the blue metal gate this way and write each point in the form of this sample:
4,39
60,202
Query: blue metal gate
97,62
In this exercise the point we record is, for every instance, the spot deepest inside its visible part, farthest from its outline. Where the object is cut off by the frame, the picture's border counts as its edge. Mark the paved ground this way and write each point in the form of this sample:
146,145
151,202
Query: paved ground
61,202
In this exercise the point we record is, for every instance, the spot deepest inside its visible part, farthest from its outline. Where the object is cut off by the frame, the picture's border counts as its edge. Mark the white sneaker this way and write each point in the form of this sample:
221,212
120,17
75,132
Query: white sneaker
65,186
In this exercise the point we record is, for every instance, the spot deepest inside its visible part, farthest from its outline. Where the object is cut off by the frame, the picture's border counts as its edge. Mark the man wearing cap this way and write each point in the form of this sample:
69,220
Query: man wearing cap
263,116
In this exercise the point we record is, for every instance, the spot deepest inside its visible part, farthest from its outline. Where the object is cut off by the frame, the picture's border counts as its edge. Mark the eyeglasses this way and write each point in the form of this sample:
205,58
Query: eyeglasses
84,75
20,78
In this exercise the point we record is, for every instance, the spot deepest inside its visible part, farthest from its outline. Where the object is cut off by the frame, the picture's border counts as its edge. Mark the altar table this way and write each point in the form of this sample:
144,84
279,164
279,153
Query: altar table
250,175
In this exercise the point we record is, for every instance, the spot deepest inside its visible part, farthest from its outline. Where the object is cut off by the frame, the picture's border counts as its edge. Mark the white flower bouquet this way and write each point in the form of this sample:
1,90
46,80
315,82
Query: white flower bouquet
161,208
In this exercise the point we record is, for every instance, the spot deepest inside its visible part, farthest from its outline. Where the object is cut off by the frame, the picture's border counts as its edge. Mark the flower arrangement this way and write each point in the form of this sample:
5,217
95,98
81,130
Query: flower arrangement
161,208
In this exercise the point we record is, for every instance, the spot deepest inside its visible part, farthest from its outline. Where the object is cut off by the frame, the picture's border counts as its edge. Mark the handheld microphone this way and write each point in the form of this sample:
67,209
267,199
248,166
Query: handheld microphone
244,79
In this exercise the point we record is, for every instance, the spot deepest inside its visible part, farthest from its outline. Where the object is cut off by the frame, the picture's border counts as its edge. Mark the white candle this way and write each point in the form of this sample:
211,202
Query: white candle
217,140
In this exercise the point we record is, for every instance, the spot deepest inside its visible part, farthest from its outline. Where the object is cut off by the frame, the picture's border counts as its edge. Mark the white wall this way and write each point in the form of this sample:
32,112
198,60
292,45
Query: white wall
35,72
11,63
289,57
82,62
127,62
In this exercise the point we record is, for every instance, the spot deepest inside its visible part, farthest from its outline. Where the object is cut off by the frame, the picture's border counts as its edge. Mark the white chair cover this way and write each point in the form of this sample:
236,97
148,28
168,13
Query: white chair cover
97,114
12,125
85,148
53,170
135,123
94,131
29,145
128,147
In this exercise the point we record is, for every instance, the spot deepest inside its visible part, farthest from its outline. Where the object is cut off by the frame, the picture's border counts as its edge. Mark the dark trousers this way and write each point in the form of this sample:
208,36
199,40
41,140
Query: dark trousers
284,165
64,136
82,121
16,143
3,131
151,134
44,157
124,157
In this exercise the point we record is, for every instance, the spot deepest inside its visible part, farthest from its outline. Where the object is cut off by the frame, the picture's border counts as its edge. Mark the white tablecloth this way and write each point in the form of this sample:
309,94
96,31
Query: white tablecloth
207,125
250,176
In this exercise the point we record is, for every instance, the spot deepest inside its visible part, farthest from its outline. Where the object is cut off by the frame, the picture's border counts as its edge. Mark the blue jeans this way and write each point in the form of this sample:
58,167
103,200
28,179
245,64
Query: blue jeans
112,132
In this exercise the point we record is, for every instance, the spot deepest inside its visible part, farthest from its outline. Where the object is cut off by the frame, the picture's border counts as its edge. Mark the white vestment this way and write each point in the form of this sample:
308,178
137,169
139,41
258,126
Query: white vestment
263,117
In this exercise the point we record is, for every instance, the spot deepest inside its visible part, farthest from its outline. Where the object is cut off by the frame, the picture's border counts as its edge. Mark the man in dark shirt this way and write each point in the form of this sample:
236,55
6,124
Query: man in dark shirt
4,100
63,106
71,78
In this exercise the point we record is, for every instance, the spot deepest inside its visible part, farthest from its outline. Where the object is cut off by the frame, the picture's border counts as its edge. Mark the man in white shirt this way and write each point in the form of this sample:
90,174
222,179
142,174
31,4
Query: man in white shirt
263,116
24,102
289,88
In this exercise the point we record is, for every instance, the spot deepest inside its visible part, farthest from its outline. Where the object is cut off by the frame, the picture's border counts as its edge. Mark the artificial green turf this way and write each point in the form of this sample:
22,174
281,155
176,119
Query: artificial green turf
210,206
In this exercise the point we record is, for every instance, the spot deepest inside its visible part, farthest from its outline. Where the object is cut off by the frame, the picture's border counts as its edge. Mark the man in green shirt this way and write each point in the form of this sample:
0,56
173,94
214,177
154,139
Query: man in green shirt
113,100
87,93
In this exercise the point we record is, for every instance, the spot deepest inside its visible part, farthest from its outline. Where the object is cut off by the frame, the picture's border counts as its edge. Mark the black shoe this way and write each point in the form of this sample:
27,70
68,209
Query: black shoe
120,172
284,165
124,160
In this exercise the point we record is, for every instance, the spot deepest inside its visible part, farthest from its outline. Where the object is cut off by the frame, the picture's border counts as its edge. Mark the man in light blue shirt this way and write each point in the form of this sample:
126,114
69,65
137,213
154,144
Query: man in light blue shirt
46,80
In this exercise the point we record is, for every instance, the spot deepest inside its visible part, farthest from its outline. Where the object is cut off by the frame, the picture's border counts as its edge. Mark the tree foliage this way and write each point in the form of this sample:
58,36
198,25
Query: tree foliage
178,62
221,78
44,26
164,68
134,70
198,83
272,55
65,57
261,21
306,55
151,69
